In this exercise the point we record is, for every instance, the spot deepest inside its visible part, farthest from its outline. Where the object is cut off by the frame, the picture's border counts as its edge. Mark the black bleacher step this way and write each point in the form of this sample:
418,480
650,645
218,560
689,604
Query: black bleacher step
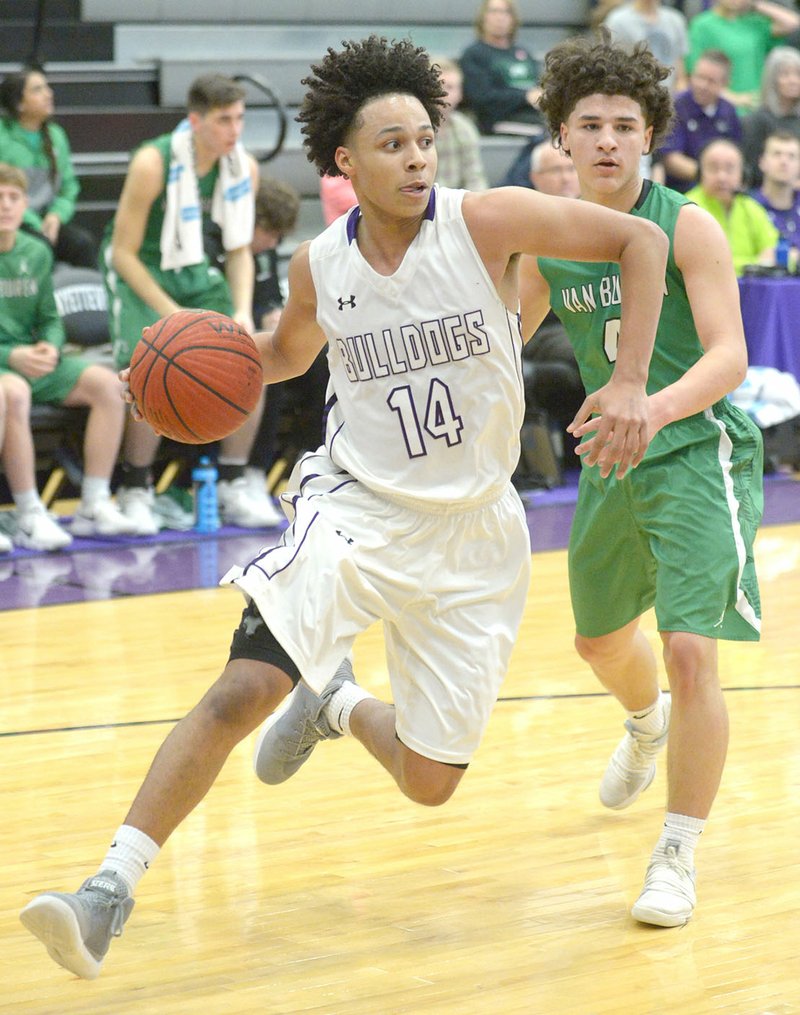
59,40
102,186
28,10
99,129
135,89
94,216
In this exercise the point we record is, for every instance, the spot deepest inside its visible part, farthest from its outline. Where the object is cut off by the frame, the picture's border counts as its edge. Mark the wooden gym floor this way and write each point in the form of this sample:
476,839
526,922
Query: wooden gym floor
333,894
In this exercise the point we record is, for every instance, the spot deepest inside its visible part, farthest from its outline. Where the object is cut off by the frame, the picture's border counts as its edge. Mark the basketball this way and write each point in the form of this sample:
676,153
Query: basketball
196,376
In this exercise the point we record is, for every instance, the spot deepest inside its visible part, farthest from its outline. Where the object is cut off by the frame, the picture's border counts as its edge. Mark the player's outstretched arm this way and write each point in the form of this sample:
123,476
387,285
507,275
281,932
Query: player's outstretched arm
292,347
509,220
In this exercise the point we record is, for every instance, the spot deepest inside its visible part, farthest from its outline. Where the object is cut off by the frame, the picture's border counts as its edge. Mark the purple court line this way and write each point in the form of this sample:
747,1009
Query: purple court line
177,561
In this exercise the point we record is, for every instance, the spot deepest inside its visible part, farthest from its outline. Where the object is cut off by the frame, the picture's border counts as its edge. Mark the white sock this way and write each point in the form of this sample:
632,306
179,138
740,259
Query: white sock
93,489
683,830
130,855
651,719
28,501
342,703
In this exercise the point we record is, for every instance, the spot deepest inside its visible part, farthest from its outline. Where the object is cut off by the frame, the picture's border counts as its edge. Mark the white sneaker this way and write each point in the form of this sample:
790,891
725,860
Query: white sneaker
668,897
37,530
239,505
136,503
6,546
632,766
102,518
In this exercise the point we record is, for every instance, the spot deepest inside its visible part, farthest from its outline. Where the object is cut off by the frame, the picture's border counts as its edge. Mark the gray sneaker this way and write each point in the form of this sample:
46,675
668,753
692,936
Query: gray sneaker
290,735
77,928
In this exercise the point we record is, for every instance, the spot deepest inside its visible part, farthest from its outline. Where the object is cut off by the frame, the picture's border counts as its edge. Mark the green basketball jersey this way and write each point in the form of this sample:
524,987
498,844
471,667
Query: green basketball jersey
586,298
28,311
150,250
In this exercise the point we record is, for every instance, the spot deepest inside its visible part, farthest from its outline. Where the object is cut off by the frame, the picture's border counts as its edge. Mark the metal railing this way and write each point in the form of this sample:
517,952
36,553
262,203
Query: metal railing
273,101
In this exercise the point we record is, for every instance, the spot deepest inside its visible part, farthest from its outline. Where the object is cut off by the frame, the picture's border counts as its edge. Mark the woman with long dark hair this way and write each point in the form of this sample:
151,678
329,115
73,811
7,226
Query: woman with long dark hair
32,142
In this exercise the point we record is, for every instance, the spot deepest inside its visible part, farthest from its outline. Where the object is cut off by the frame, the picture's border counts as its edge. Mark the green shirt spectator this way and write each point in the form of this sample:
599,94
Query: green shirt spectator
28,150
27,306
30,141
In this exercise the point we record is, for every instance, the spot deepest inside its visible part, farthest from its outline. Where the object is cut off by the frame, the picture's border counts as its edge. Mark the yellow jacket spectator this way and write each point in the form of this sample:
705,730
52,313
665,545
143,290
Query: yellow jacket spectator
751,235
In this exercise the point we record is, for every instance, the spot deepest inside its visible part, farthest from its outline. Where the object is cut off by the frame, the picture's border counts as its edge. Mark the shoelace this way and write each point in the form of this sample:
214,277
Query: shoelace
314,730
112,901
655,874
117,921
644,746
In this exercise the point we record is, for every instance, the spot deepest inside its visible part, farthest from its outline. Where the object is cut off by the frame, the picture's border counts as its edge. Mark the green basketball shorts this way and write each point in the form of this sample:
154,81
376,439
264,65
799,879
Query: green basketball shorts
676,533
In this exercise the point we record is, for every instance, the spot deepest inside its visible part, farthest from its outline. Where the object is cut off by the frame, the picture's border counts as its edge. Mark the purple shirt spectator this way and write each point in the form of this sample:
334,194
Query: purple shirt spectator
785,220
695,126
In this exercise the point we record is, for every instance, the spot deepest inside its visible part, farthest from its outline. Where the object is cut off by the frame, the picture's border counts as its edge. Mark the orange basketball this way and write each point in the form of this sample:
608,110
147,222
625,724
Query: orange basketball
196,376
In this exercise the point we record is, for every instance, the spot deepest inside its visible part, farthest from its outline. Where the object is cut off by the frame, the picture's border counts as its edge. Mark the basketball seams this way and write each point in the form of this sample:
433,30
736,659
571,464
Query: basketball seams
205,384
178,399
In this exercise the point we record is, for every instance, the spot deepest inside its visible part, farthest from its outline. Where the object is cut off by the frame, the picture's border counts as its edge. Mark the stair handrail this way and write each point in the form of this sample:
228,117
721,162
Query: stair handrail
275,101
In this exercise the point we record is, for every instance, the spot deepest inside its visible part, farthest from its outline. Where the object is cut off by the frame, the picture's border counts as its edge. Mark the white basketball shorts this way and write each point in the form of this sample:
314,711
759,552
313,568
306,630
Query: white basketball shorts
449,588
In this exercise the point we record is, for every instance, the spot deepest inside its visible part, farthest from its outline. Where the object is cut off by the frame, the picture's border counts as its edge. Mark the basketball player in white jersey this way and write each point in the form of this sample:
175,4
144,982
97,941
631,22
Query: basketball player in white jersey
406,514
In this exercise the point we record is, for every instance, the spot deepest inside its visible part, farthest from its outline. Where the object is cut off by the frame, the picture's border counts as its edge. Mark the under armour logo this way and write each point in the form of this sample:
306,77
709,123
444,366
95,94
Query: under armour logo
347,539
251,624
347,303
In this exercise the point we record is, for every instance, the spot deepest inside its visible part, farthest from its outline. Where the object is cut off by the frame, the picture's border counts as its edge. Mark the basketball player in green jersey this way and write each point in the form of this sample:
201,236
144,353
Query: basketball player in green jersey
676,533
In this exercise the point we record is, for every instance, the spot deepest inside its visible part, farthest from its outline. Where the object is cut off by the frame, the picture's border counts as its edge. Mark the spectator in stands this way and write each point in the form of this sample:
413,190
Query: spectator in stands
779,109
779,193
32,370
746,30
457,139
552,172
663,29
701,114
155,264
751,235
277,208
501,78
29,139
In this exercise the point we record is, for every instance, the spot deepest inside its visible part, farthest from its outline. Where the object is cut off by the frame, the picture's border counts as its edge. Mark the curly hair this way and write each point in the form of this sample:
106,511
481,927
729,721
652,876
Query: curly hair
592,65
345,80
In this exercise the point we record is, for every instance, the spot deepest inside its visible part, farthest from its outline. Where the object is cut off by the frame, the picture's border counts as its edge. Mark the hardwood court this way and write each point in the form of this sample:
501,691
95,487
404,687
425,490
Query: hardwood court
332,894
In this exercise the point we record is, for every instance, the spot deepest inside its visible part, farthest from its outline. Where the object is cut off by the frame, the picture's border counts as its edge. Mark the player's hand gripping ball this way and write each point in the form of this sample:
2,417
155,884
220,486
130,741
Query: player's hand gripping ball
195,376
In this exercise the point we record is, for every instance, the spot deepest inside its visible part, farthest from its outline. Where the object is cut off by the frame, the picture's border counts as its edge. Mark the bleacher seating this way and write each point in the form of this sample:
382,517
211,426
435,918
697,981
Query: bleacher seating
160,46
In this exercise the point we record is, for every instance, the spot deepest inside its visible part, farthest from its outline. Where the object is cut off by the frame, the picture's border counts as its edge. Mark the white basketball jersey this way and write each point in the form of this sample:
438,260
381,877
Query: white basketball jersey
425,400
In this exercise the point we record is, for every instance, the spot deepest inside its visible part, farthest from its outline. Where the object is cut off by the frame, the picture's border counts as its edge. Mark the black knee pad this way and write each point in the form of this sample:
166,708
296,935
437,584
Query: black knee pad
253,639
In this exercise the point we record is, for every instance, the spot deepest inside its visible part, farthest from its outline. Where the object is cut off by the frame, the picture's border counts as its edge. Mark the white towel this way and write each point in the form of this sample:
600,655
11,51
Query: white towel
232,204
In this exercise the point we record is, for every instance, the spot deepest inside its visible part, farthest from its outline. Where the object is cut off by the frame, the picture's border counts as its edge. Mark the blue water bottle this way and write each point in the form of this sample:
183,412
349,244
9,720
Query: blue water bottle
782,253
206,511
